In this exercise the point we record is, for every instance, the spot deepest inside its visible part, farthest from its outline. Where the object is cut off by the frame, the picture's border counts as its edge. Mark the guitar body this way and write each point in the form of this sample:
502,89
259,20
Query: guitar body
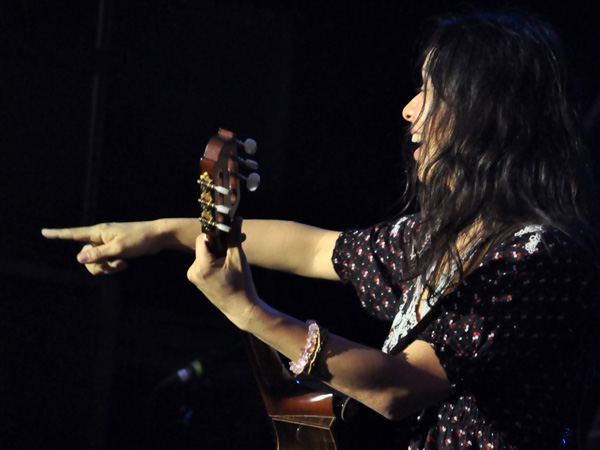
303,418
299,435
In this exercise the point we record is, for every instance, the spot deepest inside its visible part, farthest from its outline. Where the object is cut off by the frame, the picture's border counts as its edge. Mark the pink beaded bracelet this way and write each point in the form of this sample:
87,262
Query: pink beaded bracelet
308,355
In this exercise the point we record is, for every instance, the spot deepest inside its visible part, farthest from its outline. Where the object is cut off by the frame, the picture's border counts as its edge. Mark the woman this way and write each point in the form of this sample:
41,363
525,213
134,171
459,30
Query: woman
489,287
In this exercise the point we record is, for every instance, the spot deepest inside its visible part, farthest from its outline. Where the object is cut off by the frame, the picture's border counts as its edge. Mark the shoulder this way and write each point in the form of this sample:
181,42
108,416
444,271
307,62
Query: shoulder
535,263
404,224
380,235
534,243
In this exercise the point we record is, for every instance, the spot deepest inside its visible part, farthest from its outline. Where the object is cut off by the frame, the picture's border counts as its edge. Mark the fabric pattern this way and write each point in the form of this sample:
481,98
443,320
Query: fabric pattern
510,336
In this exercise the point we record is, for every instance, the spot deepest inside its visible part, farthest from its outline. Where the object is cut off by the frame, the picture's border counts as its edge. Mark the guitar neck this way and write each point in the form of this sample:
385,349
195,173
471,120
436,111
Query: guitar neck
302,417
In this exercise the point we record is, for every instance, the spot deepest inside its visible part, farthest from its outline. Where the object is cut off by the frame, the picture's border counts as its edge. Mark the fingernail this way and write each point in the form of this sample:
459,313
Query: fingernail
83,258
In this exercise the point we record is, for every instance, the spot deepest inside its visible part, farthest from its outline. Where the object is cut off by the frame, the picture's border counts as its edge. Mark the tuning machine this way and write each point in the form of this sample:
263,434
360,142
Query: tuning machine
253,180
249,146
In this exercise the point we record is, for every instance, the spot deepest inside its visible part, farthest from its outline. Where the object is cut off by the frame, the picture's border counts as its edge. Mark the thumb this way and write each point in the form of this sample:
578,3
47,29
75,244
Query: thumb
203,263
204,256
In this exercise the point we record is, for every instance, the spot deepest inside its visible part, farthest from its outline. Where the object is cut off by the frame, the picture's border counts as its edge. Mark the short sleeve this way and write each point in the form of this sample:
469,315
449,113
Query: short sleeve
373,261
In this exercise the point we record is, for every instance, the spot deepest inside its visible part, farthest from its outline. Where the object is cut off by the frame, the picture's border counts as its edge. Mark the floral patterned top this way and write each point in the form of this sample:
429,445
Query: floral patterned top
510,337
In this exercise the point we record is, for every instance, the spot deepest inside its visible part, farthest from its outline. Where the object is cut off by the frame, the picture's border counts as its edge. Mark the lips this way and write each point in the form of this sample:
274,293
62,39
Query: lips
416,139
416,153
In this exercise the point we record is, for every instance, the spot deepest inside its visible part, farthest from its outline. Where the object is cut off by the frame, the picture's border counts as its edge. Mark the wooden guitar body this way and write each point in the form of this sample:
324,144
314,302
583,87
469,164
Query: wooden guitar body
302,417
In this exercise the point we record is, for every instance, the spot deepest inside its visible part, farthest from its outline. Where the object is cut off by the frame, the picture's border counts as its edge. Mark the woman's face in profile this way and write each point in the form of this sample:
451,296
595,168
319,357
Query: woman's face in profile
416,112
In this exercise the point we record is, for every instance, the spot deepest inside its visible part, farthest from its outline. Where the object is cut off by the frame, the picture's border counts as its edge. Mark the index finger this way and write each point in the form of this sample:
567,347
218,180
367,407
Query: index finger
83,234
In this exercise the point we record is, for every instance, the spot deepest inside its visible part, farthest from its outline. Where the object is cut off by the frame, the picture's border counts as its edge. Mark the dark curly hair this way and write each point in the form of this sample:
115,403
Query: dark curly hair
507,152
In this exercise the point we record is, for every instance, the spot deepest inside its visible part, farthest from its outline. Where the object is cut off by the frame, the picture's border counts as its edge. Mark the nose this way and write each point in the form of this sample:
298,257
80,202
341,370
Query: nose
413,108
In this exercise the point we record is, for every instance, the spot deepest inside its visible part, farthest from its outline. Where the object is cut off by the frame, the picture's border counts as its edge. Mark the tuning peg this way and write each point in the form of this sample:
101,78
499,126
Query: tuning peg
222,227
249,146
249,163
219,226
220,189
252,181
222,209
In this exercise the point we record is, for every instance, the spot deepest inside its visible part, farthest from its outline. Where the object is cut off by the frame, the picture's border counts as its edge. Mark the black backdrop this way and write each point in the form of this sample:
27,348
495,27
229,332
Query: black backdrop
105,109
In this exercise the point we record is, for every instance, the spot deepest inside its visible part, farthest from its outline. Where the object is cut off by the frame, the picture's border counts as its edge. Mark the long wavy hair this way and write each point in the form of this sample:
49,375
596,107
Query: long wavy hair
504,149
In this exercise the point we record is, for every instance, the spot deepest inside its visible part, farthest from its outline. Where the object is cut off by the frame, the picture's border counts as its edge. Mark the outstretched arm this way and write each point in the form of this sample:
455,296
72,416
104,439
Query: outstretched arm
273,244
290,247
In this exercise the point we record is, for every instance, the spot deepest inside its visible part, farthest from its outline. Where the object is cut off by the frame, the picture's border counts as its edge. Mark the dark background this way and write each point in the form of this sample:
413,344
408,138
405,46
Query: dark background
105,108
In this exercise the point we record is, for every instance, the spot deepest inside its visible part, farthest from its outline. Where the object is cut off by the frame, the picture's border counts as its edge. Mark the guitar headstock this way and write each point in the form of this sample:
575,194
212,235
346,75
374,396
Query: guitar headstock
219,183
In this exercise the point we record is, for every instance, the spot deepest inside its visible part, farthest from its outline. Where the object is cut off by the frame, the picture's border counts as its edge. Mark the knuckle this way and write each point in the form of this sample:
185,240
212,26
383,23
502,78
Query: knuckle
190,274
118,246
105,227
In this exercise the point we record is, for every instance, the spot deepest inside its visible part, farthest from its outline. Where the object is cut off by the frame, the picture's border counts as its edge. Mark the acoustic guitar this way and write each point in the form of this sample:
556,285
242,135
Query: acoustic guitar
303,418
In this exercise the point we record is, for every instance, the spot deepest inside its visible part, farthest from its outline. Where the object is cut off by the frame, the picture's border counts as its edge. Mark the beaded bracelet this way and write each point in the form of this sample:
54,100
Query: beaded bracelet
310,350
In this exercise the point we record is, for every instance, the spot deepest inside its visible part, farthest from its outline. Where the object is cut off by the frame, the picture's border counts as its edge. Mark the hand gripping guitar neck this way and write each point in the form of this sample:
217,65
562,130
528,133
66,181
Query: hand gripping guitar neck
302,417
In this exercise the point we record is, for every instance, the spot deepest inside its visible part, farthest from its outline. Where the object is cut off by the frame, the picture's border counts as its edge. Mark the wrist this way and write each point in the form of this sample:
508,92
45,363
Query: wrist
177,234
252,318
161,234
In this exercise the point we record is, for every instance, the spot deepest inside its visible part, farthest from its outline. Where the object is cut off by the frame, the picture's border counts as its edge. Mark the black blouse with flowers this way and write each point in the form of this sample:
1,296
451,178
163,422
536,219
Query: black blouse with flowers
511,336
